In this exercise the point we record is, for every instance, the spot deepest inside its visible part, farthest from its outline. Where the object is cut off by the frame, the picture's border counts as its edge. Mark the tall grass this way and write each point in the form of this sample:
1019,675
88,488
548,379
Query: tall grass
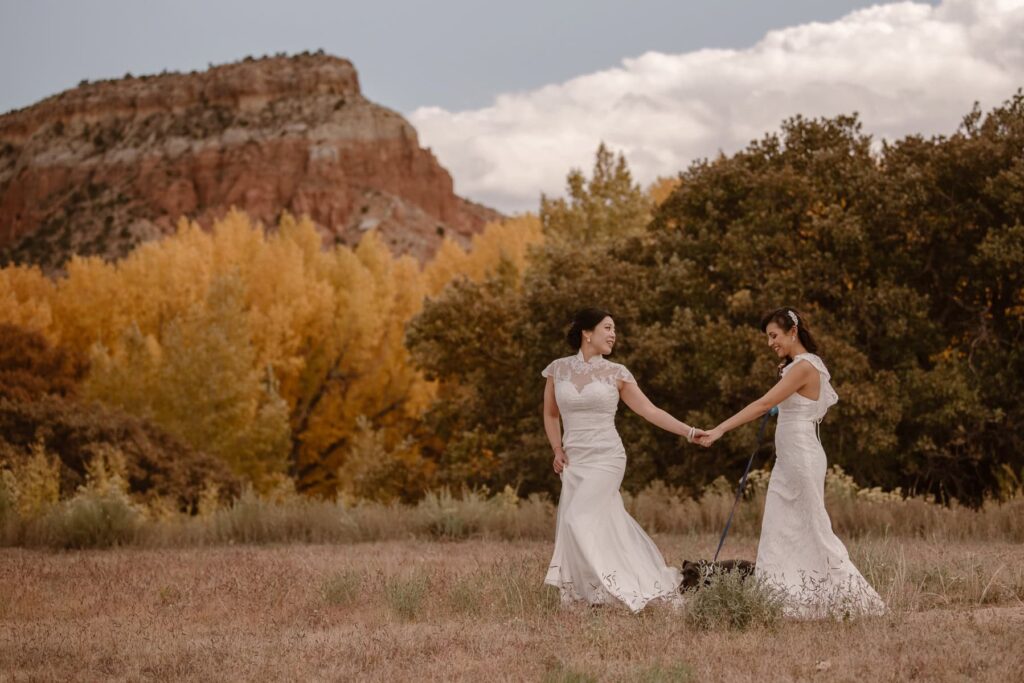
344,588
406,595
854,512
731,601
102,515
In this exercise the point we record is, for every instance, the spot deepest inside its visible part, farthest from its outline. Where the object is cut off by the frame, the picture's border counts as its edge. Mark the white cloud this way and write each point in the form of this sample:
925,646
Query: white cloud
905,67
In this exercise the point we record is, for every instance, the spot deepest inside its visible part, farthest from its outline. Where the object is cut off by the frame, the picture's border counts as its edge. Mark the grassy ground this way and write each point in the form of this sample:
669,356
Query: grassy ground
475,610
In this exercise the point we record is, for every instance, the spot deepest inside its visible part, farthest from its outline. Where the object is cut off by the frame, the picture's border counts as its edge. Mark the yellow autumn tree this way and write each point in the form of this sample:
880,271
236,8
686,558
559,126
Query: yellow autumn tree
508,240
262,347
26,298
360,367
202,383
661,189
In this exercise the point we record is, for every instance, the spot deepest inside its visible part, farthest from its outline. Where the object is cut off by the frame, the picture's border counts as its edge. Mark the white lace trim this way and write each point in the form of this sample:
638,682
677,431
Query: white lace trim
821,595
608,591
582,372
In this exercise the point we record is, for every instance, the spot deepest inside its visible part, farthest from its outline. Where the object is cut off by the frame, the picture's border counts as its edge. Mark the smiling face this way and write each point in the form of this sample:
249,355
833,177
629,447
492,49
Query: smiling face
602,337
781,341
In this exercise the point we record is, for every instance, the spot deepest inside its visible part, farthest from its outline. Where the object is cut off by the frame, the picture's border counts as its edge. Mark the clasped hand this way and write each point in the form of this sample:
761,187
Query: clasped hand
706,438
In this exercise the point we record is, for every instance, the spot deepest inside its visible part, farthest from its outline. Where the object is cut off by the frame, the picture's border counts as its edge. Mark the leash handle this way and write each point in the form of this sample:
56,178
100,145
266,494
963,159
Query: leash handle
743,479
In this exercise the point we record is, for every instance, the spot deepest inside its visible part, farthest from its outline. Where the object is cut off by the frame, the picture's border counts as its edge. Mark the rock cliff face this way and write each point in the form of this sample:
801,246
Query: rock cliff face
104,166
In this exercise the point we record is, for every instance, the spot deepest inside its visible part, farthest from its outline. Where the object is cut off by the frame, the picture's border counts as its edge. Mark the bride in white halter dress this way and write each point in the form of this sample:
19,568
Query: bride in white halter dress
601,554
798,552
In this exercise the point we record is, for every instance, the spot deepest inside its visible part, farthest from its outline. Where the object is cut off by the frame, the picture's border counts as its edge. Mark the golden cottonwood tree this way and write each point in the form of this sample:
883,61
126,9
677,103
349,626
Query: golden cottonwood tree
359,368
508,241
25,299
202,384
263,348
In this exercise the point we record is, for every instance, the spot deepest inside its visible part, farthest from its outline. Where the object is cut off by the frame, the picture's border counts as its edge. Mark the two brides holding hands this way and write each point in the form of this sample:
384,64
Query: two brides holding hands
601,554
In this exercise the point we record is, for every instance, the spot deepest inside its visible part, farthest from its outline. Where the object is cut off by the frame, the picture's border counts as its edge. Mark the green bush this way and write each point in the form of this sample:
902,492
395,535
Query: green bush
732,602
91,519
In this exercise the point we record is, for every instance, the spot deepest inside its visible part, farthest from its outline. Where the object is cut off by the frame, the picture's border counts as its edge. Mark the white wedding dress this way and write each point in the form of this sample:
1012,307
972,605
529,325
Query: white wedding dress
601,554
798,552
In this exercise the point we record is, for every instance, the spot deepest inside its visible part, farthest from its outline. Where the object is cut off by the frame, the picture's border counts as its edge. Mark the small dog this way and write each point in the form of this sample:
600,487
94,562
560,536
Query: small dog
699,573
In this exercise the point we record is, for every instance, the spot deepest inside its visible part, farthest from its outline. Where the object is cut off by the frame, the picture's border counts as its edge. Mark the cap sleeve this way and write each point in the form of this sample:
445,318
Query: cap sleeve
621,373
549,371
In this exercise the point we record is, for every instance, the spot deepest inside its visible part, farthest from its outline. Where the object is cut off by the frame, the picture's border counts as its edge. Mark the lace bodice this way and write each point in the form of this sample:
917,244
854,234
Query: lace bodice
799,408
587,392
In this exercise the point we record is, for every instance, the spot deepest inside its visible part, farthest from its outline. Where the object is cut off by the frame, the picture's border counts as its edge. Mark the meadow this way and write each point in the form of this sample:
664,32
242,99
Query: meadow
451,589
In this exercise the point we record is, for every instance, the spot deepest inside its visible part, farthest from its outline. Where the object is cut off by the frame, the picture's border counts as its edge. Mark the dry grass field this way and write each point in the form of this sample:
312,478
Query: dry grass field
476,610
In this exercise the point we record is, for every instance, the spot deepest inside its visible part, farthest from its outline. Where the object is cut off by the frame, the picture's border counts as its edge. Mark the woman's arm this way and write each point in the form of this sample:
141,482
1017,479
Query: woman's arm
800,376
552,427
642,406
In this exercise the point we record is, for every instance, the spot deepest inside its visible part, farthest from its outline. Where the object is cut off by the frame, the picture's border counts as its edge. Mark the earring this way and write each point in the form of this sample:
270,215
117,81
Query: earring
588,340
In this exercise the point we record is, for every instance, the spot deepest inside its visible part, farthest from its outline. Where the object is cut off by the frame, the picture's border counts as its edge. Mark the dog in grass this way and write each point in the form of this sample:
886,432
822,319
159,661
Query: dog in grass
698,574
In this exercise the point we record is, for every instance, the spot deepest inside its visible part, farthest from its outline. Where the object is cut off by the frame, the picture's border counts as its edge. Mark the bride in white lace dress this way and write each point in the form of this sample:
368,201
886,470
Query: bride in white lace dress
798,551
601,554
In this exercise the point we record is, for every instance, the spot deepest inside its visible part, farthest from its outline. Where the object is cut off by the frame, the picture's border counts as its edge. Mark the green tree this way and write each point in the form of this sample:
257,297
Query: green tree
607,206
907,262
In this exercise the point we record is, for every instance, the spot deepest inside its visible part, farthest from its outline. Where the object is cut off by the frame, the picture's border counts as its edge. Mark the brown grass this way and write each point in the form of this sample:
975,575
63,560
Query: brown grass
110,518
473,610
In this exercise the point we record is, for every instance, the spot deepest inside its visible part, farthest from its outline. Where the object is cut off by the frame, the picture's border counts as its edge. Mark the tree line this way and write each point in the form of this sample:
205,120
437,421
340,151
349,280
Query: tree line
245,357
906,257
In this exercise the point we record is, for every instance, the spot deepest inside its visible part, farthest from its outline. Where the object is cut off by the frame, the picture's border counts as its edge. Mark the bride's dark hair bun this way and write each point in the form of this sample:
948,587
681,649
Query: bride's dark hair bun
585,319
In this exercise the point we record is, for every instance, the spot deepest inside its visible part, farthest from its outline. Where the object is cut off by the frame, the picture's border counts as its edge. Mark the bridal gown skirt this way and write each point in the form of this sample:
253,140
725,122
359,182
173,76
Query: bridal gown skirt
798,552
601,554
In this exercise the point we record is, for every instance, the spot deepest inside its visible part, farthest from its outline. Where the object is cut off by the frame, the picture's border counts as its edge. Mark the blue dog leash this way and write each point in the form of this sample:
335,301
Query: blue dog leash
743,480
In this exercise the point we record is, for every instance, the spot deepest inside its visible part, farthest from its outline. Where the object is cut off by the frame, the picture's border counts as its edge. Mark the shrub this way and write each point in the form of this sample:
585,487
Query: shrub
89,520
32,484
101,514
442,515
732,602
157,463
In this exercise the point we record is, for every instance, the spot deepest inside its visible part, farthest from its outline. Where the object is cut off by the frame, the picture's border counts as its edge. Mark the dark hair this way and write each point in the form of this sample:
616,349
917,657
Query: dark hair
783,317
585,319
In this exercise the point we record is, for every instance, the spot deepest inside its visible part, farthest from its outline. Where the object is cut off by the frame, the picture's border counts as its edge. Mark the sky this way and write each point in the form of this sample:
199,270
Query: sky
510,96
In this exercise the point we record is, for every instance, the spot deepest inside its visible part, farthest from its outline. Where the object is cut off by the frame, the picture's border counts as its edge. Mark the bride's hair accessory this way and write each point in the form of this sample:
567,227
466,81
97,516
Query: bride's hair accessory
788,320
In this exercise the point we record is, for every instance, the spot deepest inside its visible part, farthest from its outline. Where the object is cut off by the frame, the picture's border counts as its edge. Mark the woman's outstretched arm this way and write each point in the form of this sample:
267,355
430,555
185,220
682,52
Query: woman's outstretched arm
800,376
642,406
